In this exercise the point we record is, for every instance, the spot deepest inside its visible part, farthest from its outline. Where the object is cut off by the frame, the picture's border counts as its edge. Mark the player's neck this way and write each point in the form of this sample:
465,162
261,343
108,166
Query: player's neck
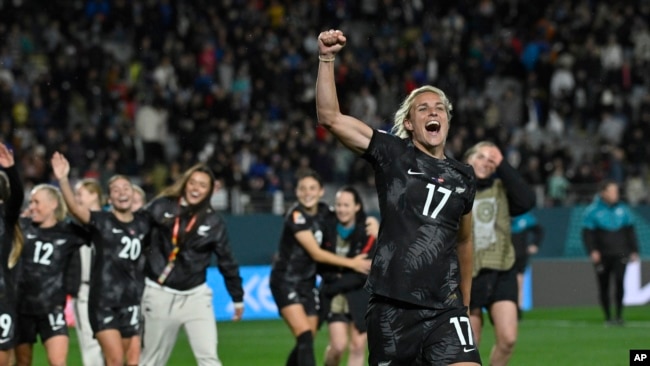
124,216
47,223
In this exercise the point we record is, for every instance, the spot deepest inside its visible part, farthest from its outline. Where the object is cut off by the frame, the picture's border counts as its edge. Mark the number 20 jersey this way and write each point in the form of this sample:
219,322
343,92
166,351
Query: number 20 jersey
117,278
422,200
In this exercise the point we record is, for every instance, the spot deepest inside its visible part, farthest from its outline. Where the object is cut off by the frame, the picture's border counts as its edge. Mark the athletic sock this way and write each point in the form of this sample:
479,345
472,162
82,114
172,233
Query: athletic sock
305,347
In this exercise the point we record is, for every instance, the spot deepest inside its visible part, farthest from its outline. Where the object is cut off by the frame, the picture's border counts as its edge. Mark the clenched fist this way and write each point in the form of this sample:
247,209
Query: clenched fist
330,42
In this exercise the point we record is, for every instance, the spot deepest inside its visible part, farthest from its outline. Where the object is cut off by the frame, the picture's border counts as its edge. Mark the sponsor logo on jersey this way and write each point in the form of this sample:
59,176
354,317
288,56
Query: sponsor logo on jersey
465,349
168,215
298,218
117,231
31,236
203,230
460,190
412,172
108,319
60,241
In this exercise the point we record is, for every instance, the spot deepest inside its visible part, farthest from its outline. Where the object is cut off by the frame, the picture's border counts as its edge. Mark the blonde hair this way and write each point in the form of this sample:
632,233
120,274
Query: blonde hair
61,210
92,186
474,149
404,110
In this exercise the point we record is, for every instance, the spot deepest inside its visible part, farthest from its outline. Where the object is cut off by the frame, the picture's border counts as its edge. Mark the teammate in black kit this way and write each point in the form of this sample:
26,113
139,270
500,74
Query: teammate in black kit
343,298
187,232
49,242
116,280
293,276
12,196
421,274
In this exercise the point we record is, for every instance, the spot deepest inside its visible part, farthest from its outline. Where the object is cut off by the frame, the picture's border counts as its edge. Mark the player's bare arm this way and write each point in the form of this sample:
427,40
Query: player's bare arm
61,169
6,156
307,240
352,132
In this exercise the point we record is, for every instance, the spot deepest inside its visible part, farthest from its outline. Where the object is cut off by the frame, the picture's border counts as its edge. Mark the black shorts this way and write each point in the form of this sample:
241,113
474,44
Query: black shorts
7,326
306,295
44,325
127,320
490,286
402,334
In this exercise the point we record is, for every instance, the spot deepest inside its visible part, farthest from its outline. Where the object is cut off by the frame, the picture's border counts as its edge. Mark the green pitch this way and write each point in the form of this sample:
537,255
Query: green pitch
563,336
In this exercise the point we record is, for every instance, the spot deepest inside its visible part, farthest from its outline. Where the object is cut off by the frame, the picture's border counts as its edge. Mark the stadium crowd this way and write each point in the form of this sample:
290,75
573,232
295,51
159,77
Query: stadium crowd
146,88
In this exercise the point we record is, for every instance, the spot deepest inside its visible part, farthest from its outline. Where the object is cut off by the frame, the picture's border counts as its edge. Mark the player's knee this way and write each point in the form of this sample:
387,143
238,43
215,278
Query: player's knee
507,342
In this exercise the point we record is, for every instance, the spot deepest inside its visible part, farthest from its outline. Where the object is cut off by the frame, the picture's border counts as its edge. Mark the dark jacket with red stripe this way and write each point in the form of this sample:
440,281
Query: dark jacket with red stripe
339,280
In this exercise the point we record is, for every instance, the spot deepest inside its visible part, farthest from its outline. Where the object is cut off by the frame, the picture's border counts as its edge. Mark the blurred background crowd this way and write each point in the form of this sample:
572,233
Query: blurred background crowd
148,87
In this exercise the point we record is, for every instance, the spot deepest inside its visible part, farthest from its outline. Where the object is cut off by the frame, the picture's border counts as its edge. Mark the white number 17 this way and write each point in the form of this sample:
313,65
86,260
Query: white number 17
432,189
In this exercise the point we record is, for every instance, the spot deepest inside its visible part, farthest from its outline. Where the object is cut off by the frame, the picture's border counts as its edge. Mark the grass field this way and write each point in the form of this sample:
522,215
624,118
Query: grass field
557,337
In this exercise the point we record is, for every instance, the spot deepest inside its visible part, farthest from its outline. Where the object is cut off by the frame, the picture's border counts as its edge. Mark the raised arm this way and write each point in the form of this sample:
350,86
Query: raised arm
350,131
61,169
307,240
16,191
465,251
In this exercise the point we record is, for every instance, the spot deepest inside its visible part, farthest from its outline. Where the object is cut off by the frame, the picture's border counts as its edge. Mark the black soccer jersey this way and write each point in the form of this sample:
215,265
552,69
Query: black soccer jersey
421,200
199,235
45,255
117,278
293,265
9,212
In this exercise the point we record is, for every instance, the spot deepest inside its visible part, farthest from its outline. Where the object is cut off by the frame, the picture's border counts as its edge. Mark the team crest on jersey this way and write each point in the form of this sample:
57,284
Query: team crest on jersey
132,232
298,218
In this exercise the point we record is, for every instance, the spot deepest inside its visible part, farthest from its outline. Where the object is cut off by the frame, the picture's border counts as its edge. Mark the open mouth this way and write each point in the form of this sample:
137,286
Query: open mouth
433,126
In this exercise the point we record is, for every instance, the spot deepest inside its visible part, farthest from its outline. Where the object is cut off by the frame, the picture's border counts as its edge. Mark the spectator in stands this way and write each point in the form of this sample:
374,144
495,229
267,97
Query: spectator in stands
610,240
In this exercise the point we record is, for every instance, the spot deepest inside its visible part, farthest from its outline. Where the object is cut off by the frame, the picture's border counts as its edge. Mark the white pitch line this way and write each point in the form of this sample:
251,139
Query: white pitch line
579,323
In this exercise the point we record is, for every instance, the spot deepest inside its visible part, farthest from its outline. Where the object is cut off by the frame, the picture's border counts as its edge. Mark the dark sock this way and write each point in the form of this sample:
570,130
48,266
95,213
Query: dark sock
293,357
305,347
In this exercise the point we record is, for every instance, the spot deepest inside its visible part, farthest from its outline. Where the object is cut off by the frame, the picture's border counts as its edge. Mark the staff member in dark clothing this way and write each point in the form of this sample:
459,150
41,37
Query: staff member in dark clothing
500,193
527,235
610,239
186,233
343,299
421,274
12,198
49,243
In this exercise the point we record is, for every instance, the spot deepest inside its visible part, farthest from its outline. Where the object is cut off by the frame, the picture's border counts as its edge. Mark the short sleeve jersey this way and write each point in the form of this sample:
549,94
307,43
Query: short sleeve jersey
44,258
293,266
117,278
422,200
